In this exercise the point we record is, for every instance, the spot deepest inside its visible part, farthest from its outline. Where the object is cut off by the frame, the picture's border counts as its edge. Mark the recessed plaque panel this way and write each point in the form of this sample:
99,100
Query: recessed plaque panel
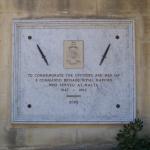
73,71
73,54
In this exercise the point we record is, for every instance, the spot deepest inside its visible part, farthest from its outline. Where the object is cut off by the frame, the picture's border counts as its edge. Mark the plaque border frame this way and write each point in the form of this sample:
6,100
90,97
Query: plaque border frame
21,23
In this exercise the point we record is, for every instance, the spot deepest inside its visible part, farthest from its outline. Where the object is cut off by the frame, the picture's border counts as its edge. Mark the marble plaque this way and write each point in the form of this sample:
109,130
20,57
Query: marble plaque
73,71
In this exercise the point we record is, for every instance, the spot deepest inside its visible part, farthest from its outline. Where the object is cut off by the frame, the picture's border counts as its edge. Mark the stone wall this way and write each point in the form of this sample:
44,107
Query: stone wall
38,136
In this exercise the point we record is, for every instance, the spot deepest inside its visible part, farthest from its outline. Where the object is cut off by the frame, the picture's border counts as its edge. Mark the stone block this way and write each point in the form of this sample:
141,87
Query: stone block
146,23
49,8
146,95
4,111
79,8
3,134
104,134
122,7
50,136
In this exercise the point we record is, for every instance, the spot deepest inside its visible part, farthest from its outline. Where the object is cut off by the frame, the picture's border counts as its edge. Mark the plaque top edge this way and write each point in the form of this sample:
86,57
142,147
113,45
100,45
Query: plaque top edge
74,20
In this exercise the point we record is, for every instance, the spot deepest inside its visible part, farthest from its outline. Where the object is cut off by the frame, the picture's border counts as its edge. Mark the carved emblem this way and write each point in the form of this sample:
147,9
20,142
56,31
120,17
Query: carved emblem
73,54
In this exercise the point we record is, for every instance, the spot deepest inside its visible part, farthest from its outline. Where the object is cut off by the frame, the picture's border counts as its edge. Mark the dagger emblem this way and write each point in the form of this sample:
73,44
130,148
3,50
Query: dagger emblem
104,55
42,54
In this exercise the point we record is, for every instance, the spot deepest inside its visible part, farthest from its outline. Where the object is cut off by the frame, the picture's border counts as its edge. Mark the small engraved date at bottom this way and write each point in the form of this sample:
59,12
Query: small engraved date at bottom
73,102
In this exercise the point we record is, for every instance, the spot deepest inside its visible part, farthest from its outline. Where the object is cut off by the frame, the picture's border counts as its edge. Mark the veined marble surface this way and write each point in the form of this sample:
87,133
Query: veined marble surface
73,71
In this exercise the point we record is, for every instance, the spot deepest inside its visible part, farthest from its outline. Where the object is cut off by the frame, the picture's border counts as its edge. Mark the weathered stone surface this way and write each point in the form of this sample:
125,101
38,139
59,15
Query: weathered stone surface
10,9
71,147
44,8
4,87
121,7
51,136
146,22
86,135
146,51
4,105
83,8
4,142
146,96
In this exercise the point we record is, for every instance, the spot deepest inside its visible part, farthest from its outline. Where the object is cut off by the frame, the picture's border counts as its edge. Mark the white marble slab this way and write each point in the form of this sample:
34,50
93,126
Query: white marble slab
73,71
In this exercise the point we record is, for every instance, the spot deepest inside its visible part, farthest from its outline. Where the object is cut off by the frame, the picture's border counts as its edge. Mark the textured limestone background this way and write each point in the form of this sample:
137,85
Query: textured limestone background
57,135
